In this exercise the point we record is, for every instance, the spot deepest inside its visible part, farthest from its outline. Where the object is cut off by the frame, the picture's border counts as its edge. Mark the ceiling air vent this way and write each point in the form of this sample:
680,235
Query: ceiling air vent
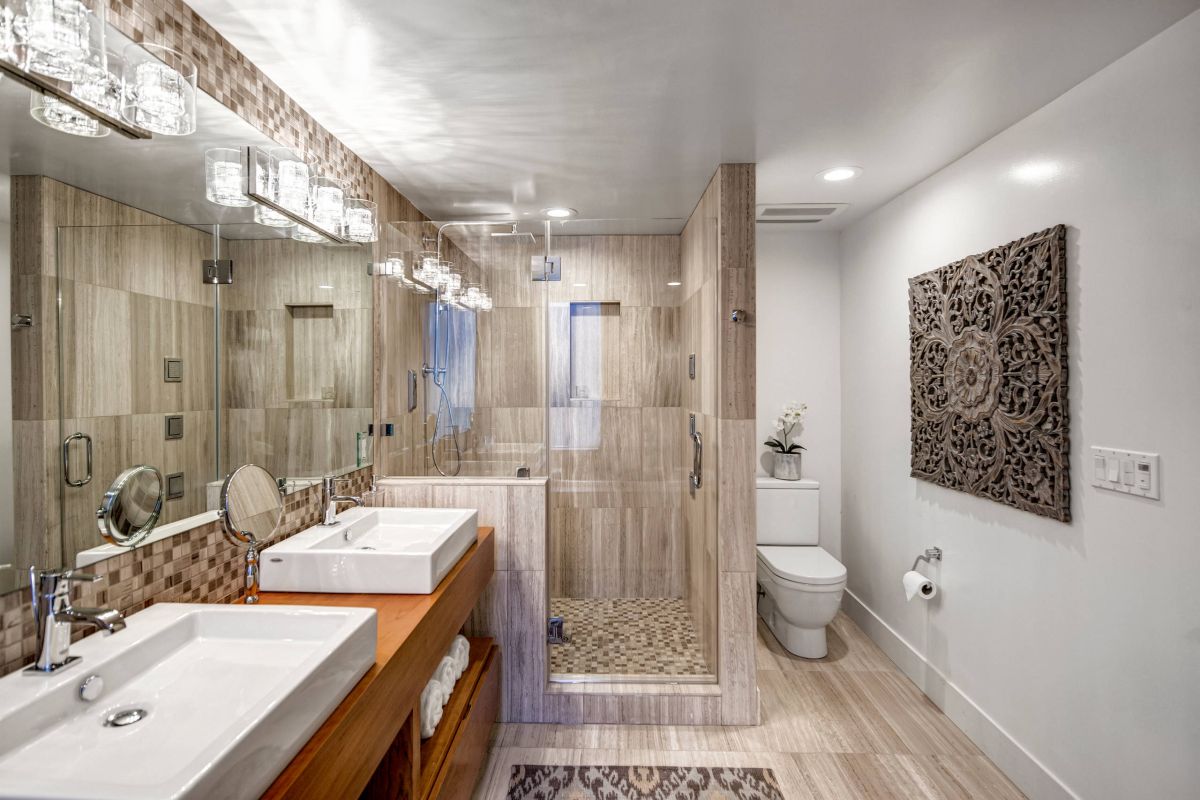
801,213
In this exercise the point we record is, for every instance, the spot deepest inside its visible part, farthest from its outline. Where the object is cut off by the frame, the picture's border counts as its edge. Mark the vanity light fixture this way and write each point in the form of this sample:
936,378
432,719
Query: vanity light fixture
839,174
160,89
224,178
559,212
674,283
324,286
281,181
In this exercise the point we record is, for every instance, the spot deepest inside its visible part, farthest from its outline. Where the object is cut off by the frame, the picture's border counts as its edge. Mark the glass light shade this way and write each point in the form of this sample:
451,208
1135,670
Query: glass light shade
452,282
282,175
485,303
472,296
303,234
224,178
8,35
61,38
56,114
327,203
360,220
100,86
160,90
393,267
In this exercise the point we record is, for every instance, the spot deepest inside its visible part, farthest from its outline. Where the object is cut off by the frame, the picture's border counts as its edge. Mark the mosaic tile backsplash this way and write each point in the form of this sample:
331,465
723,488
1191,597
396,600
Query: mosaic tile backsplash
196,566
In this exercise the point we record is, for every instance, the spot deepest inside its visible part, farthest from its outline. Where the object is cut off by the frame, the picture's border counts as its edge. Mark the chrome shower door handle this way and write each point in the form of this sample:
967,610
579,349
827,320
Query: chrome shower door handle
697,459
66,460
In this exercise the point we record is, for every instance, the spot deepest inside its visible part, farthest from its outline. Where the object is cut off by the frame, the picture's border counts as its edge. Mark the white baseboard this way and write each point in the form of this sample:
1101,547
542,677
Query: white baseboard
1022,768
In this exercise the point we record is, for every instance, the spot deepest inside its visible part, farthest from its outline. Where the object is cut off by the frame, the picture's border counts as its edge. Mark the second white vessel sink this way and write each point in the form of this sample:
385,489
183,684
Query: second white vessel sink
372,551
188,701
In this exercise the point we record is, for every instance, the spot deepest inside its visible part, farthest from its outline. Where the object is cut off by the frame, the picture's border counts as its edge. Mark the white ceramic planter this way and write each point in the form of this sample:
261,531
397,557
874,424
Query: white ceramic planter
787,466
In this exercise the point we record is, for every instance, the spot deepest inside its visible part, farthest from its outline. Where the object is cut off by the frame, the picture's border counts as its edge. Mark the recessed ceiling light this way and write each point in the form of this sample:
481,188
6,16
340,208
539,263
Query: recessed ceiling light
836,174
674,283
559,212
1036,172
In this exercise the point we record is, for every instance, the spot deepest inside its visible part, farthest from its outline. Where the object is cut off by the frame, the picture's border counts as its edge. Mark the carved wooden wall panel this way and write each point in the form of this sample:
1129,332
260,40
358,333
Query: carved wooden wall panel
988,364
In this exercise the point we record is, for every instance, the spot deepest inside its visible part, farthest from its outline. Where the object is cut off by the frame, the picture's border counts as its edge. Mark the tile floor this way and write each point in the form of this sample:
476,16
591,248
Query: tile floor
629,636
847,726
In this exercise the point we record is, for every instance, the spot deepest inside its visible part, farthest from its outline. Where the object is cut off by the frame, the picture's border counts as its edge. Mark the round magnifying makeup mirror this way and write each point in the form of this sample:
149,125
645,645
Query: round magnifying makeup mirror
251,508
131,506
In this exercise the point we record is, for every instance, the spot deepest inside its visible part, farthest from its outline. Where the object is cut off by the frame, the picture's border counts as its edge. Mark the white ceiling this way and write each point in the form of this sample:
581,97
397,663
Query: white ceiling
623,108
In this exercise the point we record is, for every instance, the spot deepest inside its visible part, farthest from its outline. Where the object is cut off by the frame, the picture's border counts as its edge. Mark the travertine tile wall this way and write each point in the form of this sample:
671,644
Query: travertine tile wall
718,272
196,566
615,521
296,357
130,298
513,610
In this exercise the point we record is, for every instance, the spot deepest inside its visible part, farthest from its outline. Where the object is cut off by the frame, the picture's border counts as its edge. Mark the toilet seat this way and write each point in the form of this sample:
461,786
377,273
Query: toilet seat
806,564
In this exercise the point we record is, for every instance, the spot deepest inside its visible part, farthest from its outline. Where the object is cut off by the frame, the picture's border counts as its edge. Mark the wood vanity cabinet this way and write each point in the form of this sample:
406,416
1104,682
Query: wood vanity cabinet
370,746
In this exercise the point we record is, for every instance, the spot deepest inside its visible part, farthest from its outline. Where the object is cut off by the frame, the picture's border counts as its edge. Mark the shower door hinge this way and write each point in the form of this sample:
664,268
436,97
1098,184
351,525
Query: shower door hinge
545,268
216,271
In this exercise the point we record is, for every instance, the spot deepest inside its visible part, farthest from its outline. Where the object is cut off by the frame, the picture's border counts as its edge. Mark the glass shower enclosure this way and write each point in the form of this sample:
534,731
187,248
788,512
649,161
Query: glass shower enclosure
578,373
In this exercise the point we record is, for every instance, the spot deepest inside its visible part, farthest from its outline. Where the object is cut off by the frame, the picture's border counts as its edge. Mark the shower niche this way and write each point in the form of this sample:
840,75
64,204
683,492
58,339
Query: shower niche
309,357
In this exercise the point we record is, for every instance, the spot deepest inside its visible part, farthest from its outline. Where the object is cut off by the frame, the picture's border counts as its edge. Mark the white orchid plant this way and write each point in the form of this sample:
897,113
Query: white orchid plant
791,418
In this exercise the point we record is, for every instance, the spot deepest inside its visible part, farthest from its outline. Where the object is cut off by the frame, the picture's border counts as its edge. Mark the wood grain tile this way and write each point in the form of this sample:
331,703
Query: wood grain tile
819,739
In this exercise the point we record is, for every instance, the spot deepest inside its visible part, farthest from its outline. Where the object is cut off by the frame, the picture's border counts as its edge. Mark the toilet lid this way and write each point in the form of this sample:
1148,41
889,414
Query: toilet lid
810,565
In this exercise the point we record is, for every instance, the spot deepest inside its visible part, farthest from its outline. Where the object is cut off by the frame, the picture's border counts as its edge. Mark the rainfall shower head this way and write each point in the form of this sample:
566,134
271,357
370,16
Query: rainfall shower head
514,234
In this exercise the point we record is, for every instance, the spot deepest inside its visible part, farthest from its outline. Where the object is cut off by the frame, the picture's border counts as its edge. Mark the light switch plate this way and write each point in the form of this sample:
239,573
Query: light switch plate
1126,471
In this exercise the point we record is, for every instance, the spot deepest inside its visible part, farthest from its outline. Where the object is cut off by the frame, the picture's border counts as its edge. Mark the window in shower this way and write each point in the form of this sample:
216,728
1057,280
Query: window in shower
450,350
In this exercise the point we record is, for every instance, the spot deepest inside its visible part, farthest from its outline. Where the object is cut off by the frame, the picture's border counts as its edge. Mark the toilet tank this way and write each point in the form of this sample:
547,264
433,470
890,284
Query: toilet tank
788,512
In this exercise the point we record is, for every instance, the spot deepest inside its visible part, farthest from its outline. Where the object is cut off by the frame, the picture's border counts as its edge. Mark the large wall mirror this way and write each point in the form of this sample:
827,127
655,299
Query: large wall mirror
120,353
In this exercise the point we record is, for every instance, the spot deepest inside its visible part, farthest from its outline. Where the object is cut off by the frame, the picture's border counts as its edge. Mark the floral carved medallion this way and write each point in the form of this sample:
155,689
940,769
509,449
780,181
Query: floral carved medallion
988,365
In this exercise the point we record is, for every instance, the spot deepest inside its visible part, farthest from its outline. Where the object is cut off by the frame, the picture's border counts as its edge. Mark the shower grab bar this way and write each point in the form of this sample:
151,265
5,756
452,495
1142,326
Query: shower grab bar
66,460
697,459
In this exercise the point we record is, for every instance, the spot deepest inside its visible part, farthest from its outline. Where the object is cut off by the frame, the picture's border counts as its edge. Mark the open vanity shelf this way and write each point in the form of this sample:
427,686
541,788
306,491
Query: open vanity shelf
449,762
370,745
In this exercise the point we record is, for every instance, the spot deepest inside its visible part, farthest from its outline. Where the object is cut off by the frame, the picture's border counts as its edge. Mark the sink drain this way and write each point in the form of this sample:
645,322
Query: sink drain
119,719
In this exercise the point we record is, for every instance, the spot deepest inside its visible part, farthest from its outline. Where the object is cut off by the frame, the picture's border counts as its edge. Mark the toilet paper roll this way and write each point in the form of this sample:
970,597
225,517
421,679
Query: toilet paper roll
917,585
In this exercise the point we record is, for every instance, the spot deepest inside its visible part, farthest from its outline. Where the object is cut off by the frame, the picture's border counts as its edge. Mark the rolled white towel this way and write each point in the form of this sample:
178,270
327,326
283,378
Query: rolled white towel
433,697
460,649
446,674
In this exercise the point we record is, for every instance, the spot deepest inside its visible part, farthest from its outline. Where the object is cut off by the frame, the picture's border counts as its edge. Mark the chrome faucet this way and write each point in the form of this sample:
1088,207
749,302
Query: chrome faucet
54,616
328,484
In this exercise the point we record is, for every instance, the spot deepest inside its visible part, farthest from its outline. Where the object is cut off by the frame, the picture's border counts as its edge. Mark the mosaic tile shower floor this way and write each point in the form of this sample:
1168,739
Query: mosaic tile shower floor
627,636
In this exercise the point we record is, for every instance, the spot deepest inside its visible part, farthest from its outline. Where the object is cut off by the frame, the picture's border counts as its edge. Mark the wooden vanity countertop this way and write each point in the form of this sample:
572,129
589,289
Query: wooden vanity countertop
413,633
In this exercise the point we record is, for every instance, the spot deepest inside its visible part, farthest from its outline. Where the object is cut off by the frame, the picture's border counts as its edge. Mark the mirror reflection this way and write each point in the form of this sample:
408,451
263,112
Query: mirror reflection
163,316
131,506
251,505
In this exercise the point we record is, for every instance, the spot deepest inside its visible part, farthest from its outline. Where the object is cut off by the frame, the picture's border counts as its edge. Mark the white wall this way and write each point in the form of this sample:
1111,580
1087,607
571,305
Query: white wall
7,542
1082,641
797,338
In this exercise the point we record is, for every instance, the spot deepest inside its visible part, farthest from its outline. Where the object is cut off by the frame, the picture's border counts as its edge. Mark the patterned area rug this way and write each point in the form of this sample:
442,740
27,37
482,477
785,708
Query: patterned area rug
536,782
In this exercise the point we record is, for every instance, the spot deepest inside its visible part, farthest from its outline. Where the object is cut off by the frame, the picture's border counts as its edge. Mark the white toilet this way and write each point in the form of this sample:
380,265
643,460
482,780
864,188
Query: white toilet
800,585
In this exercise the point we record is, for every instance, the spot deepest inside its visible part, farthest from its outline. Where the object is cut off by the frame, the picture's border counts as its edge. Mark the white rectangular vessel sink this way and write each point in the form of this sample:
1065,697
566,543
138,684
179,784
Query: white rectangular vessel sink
372,550
227,695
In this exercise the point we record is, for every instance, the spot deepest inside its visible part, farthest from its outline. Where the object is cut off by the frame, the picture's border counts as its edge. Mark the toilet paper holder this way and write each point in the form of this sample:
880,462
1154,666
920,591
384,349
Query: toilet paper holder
931,554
